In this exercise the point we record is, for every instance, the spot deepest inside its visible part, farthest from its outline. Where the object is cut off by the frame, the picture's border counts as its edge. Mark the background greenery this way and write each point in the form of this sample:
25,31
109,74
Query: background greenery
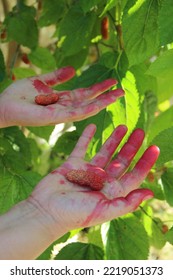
40,36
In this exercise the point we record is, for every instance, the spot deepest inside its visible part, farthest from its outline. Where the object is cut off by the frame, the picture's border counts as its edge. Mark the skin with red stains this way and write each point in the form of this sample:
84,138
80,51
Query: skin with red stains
74,105
57,206
119,191
41,87
85,178
62,182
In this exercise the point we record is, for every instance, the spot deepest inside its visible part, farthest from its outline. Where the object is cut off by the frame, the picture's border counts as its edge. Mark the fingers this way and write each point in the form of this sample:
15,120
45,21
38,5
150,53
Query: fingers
110,209
131,202
83,142
132,180
99,103
86,109
58,76
102,158
108,98
135,197
118,166
93,91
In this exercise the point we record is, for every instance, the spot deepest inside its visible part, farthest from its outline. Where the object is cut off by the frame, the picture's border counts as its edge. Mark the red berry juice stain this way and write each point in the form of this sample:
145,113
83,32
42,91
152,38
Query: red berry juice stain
62,182
54,172
41,87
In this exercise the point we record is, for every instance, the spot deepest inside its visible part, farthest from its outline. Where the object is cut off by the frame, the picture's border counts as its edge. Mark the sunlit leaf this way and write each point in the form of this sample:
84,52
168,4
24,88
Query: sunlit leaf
153,226
140,30
125,239
131,100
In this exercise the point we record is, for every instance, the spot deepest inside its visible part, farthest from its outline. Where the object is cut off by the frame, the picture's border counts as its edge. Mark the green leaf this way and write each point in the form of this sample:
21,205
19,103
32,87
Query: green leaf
167,180
164,141
162,121
162,69
89,4
80,251
110,4
166,22
71,60
42,58
131,100
21,72
162,65
18,157
153,227
150,106
4,146
156,187
14,161
15,187
146,86
22,27
115,115
94,236
157,238
145,83
140,30
51,12
76,29
94,74
108,59
2,66
35,152
169,236
66,143
63,238
42,132
125,239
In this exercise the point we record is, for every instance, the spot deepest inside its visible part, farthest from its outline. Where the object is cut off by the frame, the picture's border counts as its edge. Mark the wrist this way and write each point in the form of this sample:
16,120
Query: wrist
26,231
52,227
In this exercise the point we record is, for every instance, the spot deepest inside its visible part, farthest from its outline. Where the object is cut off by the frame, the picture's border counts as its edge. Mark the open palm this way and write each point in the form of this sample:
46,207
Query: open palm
73,206
18,107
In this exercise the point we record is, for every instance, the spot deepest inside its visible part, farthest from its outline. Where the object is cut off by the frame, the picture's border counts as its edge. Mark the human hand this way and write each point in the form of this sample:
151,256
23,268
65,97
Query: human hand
18,107
72,206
